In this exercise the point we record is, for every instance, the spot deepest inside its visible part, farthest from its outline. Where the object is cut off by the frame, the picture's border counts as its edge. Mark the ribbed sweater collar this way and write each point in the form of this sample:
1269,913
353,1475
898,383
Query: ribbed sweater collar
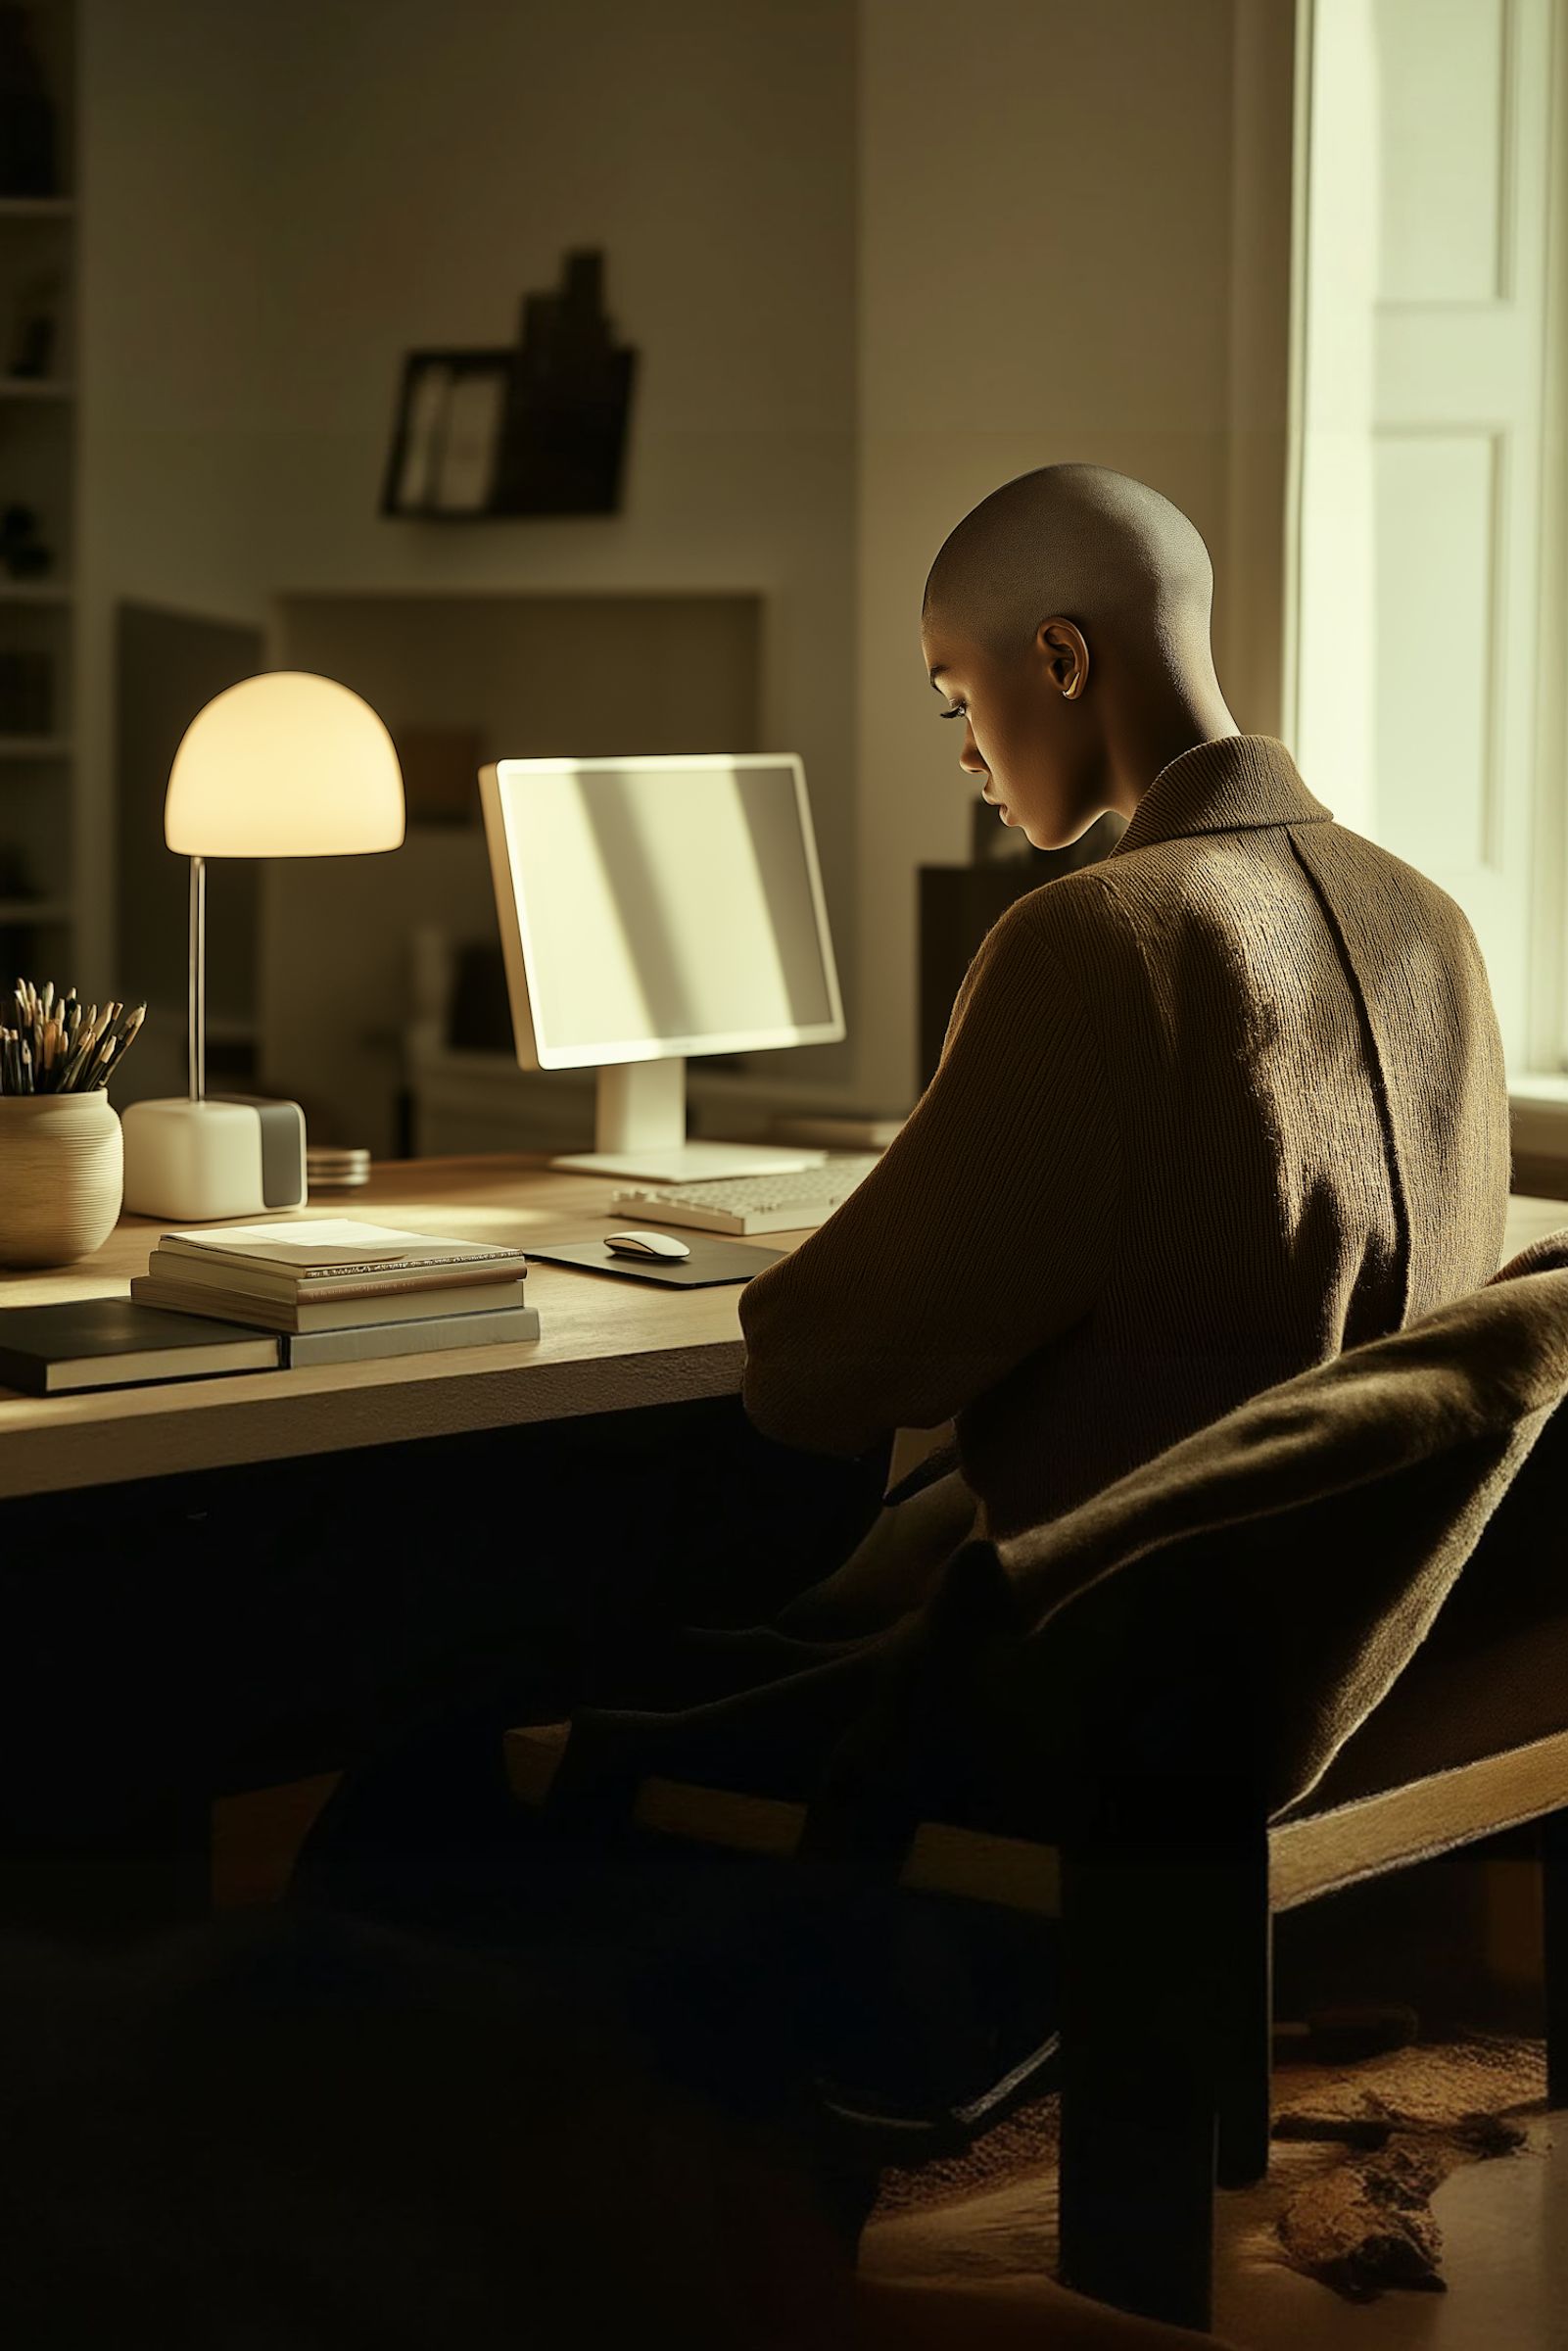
1227,785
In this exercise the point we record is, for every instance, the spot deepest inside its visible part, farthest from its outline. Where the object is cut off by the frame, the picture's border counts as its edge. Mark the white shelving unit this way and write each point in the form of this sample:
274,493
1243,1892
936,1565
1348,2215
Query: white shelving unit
40,458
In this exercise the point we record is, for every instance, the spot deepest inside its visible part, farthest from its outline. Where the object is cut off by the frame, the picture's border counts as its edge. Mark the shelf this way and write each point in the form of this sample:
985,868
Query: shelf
34,747
36,591
33,914
36,387
38,208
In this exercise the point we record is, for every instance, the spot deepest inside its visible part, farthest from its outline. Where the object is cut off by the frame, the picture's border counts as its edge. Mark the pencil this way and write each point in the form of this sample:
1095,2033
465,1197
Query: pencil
50,1043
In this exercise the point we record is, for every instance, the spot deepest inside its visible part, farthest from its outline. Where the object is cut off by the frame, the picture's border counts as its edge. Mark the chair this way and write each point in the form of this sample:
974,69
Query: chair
1138,2235
1446,1720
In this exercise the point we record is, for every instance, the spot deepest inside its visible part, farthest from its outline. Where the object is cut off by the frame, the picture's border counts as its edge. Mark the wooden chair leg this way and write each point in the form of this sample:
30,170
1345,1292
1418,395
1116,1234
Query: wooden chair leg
1244,1953
1137,2086
1554,1889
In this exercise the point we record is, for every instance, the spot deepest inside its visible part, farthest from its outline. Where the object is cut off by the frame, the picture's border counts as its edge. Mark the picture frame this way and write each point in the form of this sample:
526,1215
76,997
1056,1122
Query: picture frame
539,429
447,438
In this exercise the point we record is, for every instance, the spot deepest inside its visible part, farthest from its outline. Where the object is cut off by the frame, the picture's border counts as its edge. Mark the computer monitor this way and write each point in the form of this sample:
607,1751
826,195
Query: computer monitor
651,909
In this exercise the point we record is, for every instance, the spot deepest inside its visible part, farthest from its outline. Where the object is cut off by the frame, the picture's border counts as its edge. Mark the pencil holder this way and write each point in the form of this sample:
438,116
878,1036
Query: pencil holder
62,1172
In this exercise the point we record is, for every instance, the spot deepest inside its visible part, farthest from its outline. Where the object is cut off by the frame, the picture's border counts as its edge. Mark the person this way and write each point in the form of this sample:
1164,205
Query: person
1208,1111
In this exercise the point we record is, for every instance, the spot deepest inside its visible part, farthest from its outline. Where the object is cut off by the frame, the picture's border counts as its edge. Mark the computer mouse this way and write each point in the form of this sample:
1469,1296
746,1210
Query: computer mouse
646,1244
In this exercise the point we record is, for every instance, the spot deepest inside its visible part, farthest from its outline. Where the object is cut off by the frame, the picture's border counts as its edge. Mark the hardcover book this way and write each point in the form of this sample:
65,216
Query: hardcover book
81,1343
308,1251
237,1279
511,1326
311,1313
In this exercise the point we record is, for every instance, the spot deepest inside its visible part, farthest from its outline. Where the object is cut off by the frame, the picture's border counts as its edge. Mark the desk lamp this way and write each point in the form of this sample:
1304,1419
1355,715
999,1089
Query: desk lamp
281,765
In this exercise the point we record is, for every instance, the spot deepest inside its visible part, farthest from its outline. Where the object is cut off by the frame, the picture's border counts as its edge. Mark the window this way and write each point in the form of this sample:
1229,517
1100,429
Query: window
1424,694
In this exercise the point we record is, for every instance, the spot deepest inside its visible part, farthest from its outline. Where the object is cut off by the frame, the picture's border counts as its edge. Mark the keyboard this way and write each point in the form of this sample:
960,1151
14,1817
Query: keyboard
788,1203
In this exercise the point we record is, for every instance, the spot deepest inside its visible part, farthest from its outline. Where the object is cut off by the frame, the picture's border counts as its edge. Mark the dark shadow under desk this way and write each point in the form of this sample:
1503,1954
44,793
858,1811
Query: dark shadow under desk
212,1585
175,1639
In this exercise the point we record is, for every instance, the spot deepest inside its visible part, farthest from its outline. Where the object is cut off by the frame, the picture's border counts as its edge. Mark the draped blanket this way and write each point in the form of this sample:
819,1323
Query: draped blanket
1294,1554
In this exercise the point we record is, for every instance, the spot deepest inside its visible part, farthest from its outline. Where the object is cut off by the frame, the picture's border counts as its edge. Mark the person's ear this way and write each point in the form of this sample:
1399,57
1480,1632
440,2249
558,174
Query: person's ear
1066,652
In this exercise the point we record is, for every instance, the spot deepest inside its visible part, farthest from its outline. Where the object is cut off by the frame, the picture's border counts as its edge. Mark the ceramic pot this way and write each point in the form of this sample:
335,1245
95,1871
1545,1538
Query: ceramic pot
61,1173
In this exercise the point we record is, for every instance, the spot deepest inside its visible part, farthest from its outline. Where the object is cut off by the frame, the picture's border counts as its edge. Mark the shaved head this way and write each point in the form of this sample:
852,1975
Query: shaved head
1065,622
1080,541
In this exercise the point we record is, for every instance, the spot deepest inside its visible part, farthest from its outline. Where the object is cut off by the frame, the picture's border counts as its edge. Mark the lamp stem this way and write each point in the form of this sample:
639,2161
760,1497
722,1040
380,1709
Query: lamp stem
198,995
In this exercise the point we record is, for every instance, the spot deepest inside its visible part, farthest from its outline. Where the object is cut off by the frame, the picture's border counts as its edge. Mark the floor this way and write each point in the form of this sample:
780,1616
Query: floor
1460,1940
1467,1925
1505,2239
1506,2235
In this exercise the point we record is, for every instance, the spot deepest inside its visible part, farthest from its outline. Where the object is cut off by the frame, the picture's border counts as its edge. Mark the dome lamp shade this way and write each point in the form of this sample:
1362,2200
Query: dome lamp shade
284,765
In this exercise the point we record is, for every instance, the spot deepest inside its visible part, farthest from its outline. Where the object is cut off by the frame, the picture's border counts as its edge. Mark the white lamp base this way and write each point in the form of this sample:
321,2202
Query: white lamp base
220,1156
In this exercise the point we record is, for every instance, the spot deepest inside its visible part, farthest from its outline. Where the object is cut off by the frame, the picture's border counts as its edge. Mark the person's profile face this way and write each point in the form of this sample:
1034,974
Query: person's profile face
1023,737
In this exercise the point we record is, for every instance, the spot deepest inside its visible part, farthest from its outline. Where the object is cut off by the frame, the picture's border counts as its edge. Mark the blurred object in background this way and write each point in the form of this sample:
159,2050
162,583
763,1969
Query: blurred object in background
563,445
27,693
439,774
535,429
35,327
991,842
27,164
479,1017
446,448
23,552
336,1167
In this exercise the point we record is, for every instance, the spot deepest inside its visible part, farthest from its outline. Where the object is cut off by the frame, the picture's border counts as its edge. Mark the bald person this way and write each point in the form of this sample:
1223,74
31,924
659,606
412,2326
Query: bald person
1208,1111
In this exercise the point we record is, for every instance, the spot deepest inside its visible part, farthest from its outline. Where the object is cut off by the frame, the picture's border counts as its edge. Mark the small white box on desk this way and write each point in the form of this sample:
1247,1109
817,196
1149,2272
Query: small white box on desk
219,1157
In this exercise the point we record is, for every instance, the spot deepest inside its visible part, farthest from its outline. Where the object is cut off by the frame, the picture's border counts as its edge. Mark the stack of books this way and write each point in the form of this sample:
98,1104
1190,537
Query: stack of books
339,1291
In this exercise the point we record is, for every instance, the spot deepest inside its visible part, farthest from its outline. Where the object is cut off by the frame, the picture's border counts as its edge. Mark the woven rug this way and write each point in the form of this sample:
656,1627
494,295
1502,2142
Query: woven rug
1358,2152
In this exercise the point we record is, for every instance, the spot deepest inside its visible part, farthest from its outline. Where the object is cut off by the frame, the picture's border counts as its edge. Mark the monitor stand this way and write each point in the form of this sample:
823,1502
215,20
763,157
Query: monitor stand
639,1132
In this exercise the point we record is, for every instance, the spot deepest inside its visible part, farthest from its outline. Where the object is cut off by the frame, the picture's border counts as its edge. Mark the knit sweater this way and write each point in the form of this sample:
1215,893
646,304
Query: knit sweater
1207,1113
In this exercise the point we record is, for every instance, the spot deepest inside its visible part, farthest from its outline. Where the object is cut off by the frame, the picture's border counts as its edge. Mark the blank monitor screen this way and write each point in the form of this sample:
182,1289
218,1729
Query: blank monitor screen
663,906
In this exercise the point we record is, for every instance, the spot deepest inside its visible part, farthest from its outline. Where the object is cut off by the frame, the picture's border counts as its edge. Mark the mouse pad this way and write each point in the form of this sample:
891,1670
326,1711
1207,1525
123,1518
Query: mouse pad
714,1258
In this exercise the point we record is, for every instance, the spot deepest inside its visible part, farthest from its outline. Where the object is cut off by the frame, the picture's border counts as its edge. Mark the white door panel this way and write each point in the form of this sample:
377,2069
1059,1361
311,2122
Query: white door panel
1435,499
1441,68
1423,325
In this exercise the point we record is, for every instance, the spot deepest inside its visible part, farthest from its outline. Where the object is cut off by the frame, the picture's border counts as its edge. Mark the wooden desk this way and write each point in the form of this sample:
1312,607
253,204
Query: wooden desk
211,1585
163,1647
606,1346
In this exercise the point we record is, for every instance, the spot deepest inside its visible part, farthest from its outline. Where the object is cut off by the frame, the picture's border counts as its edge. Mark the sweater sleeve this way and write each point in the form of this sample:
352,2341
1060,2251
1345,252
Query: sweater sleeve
982,1233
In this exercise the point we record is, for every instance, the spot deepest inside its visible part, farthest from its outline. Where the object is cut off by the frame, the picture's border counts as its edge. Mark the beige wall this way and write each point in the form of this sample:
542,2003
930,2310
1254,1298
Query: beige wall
879,255
1051,261
173,370
284,197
